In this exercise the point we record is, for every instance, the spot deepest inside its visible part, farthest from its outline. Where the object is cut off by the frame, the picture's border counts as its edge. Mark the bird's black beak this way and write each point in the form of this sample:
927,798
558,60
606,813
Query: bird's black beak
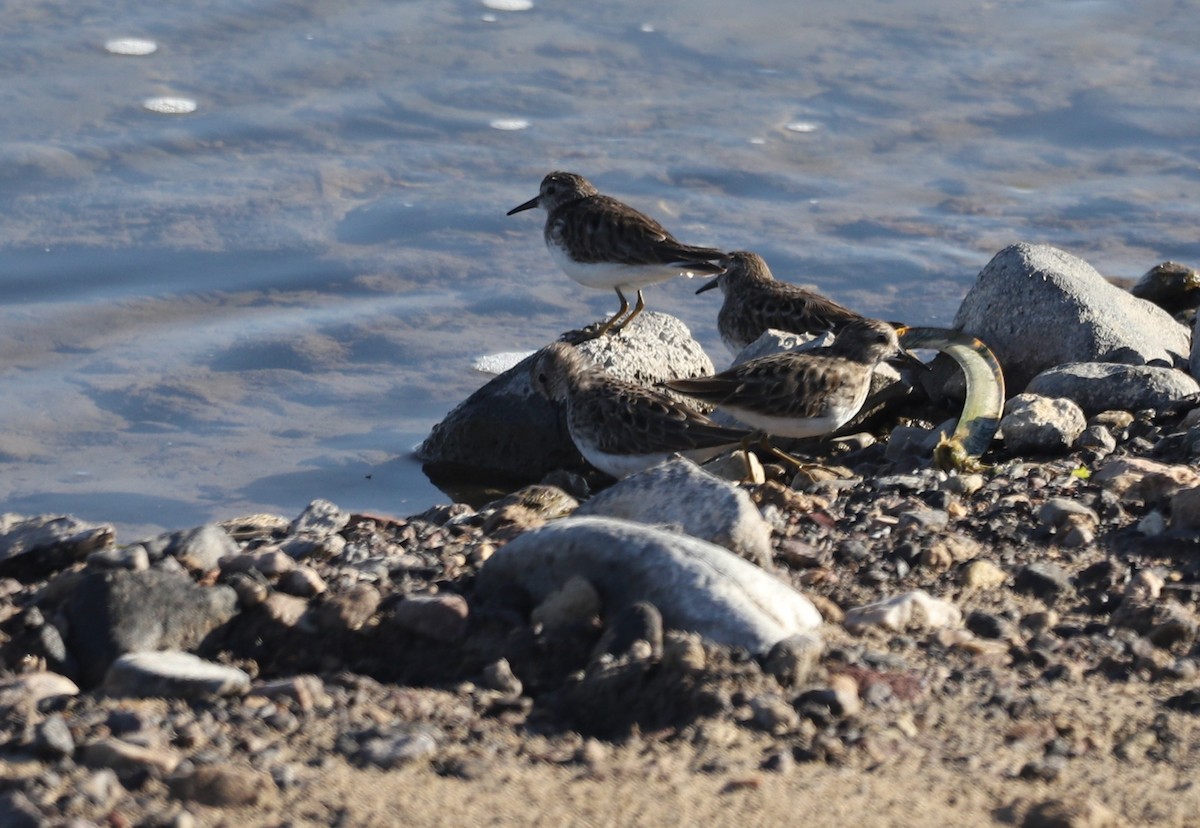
528,205
906,357
709,285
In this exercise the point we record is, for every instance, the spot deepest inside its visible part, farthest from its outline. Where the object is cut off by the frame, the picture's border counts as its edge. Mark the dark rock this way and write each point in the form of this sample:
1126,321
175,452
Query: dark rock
640,621
506,430
1045,580
116,612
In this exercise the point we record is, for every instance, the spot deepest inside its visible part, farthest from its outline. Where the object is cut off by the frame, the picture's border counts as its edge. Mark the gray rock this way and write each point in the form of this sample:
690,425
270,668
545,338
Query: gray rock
132,557
793,660
349,610
53,738
303,581
1037,307
776,342
499,676
173,674
696,585
440,617
319,518
56,541
200,549
506,428
1045,580
1099,386
680,493
1041,425
397,746
114,612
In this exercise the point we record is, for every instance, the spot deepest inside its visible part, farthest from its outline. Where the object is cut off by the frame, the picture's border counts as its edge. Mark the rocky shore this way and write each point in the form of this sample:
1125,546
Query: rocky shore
876,642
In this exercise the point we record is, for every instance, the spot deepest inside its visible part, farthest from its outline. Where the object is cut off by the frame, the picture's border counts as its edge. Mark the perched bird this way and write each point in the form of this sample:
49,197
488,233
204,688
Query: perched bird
620,427
754,302
604,243
807,393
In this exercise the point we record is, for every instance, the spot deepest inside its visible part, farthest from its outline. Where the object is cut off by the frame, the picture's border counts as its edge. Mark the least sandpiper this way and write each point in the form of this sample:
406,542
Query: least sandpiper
604,243
806,393
754,302
620,427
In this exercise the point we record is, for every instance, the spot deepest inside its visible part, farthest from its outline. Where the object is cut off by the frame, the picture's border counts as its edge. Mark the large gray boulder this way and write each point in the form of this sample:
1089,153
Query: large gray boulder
1037,307
697,586
506,429
1101,386
703,505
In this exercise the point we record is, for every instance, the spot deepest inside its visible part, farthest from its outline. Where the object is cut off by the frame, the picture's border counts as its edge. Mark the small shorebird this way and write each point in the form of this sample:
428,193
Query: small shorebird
807,393
604,243
754,302
620,427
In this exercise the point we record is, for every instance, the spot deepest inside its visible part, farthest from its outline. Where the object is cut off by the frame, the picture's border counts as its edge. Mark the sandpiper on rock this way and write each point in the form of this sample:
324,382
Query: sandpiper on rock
601,242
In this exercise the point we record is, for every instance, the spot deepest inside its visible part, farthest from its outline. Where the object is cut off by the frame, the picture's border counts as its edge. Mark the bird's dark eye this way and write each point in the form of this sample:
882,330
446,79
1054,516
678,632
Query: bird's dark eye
542,379
550,190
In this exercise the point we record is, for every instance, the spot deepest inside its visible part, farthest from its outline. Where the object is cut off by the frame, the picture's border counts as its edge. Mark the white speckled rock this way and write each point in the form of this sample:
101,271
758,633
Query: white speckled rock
1041,425
900,612
173,674
696,585
1038,307
680,493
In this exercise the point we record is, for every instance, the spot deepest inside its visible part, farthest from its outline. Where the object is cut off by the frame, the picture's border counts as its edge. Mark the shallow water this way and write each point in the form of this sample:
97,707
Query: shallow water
273,298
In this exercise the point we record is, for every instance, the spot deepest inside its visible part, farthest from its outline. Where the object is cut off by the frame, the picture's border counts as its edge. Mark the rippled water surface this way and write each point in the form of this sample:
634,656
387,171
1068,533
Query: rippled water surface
273,298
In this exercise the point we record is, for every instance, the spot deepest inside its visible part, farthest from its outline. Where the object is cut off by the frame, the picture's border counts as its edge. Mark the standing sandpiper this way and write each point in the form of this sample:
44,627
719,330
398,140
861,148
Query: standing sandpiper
806,393
603,243
620,427
754,302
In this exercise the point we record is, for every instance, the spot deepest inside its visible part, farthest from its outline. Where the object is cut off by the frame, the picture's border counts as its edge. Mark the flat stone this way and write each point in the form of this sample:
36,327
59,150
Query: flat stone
1145,480
398,745
915,609
33,688
126,757
696,585
1099,386
507,429
173,674
52,541
981,574
1038,307
680,493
